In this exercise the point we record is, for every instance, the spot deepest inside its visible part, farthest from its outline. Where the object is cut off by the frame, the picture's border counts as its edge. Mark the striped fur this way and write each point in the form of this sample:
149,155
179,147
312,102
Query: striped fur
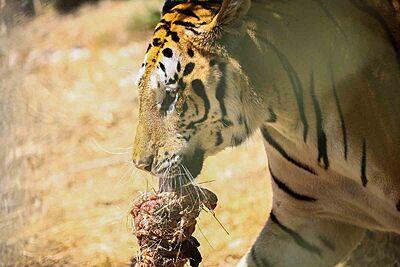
319,78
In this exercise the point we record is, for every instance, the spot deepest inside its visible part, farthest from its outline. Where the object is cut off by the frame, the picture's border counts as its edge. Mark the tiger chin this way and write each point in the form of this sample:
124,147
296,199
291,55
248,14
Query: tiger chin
319,79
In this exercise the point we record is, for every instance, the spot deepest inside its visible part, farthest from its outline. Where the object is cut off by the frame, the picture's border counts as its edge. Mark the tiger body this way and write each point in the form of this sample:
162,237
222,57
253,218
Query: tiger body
320,80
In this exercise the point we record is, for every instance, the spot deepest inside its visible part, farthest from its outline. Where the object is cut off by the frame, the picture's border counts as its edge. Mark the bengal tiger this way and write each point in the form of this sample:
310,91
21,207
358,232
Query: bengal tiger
320,80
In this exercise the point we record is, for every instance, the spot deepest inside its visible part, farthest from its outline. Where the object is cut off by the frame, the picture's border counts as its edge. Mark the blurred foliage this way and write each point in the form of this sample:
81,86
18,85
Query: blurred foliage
145,20
66,6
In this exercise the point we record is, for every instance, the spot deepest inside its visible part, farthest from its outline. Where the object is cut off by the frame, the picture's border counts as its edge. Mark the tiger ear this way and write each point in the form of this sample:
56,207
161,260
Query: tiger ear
230,11
227,19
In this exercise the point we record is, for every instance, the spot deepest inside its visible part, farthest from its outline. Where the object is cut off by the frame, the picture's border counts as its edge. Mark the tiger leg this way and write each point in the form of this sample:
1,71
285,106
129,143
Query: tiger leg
293,238
376,249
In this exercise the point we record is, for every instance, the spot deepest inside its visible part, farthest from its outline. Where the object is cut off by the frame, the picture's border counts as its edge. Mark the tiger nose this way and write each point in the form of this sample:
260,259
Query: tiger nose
144,164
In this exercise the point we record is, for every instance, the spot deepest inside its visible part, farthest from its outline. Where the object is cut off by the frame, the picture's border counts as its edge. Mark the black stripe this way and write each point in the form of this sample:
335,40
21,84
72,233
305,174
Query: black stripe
341,117
226,122
173,80
331,17
181,85
162,66
170,4
378,17
157,42
162,26
167,102
184,24
272,115
220,95
240,119
364,178
220,92
246,127
163,21
327,243
398,206
193,30
259,262
284,154
185,108
167,52
220,139
296,85
209,4
188,68
190,52
288,190
186,12
322,149
174,36
298,239
199,89
237,140
195,162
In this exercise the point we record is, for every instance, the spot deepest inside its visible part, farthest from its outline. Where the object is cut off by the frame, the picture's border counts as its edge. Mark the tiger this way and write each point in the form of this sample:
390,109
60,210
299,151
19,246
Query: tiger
319,79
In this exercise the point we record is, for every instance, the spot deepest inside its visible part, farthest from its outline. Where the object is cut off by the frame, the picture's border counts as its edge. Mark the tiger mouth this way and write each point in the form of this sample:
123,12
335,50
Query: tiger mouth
176,172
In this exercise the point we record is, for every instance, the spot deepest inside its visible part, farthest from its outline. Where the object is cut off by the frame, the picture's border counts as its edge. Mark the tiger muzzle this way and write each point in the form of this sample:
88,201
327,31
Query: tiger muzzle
182,173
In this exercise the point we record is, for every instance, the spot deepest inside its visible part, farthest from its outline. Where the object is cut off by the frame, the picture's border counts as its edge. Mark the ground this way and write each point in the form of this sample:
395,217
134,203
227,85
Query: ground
69,111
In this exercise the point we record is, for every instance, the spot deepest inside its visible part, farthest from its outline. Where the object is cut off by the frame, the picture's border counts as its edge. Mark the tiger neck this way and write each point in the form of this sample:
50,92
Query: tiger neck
263,100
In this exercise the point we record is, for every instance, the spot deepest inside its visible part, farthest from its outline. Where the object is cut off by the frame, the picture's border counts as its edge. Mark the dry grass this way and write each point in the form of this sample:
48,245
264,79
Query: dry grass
69,111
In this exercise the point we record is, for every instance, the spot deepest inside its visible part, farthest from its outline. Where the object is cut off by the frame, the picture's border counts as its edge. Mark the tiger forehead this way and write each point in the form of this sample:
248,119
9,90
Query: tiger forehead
201,4
177,17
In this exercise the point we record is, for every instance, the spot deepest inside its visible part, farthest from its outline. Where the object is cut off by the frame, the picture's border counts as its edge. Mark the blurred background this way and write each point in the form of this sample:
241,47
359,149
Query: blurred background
68,108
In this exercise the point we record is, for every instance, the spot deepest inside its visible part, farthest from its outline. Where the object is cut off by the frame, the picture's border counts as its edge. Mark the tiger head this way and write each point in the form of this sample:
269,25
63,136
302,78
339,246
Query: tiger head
191,93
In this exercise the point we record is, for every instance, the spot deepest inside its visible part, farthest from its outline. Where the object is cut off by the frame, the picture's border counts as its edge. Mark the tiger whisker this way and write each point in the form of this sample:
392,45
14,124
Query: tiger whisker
203,234
194,183
103,149
128,171
192,186
205,197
